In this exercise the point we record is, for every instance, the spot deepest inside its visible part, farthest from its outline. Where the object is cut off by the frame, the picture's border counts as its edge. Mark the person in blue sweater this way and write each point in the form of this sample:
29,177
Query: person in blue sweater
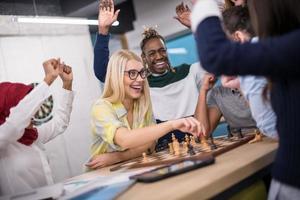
276,55
174,91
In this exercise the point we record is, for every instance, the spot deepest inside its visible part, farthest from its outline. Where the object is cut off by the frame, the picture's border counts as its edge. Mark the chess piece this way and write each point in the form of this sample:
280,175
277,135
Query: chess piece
257,138
176,147
213,146
145,158
197,140
173,137
162,145
171,150
177,152
240,134
236,131
185,147
192,139
229,134
204,142
191,151
187,139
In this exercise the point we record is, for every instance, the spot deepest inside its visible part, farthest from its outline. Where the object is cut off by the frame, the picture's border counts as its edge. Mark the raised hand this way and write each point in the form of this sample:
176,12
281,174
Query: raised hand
51,68
107,16
66,75
208,81
183,15
188,125
232,82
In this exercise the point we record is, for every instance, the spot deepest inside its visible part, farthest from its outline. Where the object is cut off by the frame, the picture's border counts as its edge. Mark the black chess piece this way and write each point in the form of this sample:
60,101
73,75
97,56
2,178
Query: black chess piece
191,151
240,134
213,146
197,140
229,134
237,132
162,146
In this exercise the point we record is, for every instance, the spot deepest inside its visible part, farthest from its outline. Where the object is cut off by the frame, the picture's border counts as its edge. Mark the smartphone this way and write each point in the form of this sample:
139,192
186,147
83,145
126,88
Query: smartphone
172,170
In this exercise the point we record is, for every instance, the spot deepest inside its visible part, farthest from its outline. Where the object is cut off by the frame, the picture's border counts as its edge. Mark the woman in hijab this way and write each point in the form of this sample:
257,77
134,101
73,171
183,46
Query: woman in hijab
23,164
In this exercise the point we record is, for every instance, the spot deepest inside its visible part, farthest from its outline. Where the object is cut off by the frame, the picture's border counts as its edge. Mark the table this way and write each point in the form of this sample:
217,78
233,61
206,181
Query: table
229,169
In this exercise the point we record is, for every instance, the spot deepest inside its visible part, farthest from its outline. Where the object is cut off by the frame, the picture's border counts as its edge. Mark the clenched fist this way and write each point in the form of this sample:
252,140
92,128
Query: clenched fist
51,68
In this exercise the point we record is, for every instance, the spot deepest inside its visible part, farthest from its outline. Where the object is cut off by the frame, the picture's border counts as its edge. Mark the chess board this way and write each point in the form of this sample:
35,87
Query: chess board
202,151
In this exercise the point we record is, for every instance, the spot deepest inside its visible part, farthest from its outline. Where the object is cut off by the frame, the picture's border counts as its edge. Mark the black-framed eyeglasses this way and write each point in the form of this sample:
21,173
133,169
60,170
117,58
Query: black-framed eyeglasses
133,73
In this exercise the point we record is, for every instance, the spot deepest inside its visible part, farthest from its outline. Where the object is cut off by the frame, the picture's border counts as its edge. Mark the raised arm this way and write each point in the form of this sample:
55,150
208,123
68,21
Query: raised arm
183,13
20,116
106,17
209,117
61,118
218,55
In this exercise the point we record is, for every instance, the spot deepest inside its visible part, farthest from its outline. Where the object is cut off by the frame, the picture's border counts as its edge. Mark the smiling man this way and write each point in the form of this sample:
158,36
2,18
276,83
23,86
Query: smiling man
173,90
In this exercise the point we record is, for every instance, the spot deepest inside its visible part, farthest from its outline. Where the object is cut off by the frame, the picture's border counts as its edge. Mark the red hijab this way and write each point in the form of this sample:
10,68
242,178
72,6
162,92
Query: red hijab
10,95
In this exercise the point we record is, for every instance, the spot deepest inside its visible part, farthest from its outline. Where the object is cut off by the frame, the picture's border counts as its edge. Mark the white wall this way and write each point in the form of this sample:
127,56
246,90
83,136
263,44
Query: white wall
22,52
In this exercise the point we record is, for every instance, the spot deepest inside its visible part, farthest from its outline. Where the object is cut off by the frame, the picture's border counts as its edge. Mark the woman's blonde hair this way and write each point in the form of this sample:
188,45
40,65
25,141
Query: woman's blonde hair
114,85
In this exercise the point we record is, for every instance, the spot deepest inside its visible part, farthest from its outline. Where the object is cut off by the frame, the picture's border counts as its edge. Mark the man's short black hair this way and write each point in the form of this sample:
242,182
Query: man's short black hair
237,19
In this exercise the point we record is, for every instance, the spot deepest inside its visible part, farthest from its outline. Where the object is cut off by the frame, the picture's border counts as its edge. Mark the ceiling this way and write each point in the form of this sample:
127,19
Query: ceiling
72,8
82,8
68,8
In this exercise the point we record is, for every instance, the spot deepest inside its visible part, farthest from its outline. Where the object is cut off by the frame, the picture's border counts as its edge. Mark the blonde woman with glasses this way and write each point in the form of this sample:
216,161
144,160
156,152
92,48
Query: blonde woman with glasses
122,123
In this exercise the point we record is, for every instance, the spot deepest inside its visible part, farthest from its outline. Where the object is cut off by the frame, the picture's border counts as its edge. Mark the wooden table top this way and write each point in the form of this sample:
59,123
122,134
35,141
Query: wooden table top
229,169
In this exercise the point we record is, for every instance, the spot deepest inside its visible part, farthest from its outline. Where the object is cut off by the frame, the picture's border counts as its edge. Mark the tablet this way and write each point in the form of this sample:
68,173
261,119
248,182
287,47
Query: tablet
172,170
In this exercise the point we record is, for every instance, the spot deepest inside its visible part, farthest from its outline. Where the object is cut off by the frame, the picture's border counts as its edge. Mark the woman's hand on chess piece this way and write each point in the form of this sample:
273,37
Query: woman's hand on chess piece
188,125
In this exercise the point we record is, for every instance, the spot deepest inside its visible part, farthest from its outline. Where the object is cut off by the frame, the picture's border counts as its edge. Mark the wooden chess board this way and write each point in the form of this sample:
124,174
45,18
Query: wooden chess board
164,157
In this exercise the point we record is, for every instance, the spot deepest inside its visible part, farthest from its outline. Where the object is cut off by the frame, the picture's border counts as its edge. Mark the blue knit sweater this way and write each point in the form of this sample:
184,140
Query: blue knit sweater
277,58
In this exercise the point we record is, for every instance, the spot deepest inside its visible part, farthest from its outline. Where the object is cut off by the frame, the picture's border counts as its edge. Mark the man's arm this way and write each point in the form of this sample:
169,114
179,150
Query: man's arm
101,56
106,17
209,117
